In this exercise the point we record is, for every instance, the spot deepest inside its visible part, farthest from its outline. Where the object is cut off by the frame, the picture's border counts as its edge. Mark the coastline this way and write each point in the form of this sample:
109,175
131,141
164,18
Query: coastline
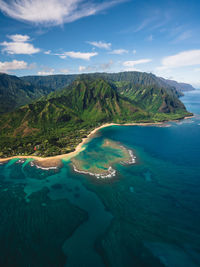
56,161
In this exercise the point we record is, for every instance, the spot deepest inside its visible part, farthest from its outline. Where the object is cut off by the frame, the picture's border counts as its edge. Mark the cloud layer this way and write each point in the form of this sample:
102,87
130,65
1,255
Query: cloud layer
13,65
53,12
77,55
19,45
182,59
96,67
119,51
132,63
101,44
46,72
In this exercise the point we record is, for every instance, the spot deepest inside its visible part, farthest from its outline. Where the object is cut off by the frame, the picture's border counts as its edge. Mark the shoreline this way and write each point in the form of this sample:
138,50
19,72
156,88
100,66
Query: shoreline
67,156
56,161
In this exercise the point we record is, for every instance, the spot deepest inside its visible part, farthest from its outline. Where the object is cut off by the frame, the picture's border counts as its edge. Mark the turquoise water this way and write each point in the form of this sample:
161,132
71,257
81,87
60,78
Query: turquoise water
147,215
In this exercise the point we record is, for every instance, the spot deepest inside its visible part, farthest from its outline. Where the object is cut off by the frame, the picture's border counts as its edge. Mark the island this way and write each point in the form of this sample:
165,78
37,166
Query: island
55,124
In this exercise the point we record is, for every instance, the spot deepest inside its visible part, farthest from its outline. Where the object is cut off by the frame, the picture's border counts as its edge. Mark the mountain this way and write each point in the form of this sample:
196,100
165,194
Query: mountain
182,87
53,82
127,83
135,77
148,91
14,92
139,78
55,124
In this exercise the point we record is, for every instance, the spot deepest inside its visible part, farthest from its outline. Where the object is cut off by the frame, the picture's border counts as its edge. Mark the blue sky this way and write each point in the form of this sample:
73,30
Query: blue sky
40,37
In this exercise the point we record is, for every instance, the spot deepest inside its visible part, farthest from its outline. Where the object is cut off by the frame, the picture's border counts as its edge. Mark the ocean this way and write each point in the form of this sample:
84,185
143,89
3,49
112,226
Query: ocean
148,214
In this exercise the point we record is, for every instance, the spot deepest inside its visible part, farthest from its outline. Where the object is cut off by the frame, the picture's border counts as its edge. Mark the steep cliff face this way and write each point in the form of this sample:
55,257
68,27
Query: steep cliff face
182,87
14,92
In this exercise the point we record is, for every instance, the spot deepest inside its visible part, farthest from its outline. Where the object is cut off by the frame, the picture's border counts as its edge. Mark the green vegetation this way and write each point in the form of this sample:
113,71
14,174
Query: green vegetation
14,92
53,82
56,82
56,124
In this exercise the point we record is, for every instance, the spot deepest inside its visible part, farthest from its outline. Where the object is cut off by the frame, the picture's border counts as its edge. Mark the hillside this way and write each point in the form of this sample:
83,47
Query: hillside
54,82
134,77
147,90
15,92
182,87
56,124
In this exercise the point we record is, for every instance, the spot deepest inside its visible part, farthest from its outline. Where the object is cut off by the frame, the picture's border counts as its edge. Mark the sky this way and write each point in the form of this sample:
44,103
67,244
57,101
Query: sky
40,37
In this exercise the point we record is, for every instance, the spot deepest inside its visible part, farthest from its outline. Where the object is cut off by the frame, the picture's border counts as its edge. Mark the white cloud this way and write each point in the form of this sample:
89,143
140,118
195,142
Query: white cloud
19,38
132,63
119,51
53,12
182,59
19,45
64,71
134,51
77,55
46,72
100,44
81,68
19,48
62,56
97,67
13,65
48,52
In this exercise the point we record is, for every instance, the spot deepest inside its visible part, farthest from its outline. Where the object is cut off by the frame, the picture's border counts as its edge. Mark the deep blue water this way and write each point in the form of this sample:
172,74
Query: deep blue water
148,215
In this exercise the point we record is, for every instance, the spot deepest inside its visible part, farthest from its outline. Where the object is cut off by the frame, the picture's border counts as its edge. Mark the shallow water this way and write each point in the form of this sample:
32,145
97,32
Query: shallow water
100,157
147,215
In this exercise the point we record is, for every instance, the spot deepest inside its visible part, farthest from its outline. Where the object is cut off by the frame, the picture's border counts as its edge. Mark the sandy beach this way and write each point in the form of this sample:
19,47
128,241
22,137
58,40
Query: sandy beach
56,161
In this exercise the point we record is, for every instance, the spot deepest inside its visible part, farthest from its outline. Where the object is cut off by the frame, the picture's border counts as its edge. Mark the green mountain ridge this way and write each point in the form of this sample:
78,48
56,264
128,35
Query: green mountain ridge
58,81
141,78
14,92
55,124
